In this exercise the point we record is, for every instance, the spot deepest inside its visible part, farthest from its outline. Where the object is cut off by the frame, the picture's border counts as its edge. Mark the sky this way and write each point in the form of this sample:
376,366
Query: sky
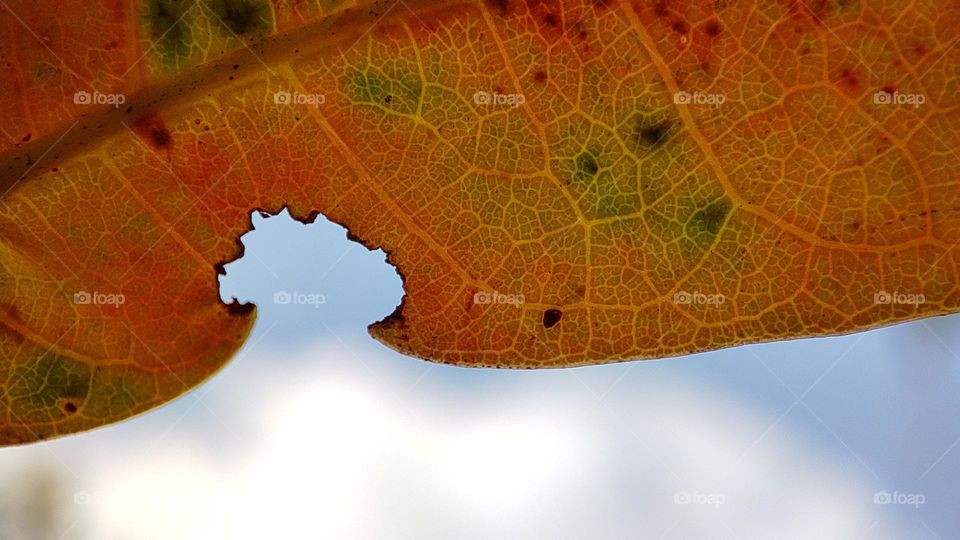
314,430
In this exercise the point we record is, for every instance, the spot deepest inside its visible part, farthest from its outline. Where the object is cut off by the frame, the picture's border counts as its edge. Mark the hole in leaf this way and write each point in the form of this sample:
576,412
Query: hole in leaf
309,274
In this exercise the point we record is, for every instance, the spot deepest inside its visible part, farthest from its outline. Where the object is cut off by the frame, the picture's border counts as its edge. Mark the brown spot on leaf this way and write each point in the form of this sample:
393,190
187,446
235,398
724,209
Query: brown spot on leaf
152,129
849,81
551,317
11,312
712,28
500,6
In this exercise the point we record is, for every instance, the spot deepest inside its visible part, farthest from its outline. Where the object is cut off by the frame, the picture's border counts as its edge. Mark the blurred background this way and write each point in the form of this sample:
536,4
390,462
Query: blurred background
316,431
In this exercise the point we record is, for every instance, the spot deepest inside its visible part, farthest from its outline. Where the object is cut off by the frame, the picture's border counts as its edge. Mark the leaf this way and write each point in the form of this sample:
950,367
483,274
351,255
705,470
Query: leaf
558,183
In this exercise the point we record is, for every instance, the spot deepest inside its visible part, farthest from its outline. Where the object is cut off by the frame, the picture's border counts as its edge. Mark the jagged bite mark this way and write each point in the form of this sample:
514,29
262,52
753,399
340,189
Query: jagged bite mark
237,309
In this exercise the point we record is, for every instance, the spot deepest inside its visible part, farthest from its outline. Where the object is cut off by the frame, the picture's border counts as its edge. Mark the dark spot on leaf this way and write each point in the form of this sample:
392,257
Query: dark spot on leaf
551,317
69,407
164,20
660,10
540,76
46,384
712,28
849,78
587,166
152,129
500,6
651,135
680,27
709,219
12,312
551,20
241,16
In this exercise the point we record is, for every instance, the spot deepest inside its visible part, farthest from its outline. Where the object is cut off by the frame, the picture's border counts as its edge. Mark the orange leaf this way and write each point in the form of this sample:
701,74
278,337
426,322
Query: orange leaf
559,183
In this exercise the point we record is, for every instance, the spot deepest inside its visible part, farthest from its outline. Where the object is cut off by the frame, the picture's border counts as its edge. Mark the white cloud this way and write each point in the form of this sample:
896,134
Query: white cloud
338,454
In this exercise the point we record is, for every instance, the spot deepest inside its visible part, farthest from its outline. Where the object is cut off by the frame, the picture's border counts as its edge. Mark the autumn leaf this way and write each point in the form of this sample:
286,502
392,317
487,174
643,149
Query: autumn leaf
558,183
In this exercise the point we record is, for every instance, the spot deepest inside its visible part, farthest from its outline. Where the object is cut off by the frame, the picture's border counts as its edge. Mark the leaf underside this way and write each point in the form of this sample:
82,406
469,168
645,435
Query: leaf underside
558,183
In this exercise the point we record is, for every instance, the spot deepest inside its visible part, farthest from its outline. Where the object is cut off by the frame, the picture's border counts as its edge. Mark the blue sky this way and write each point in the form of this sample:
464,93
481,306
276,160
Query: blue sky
316,430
